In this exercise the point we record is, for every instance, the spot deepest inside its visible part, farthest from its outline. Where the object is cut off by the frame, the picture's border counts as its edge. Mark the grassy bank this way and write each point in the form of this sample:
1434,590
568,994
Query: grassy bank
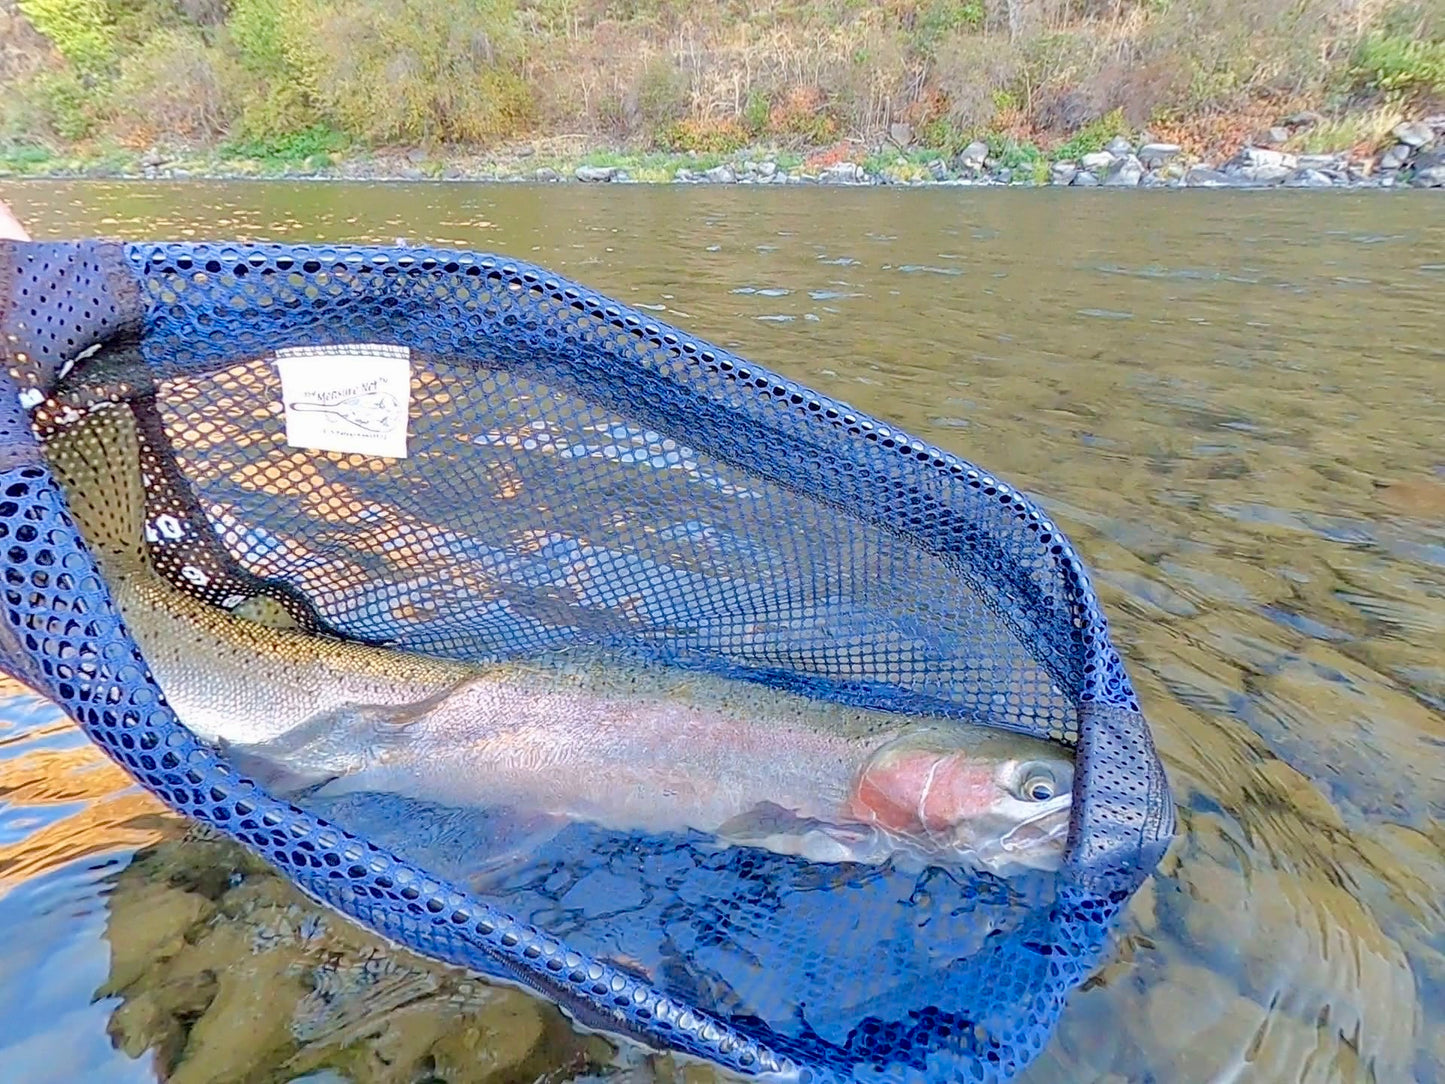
237,86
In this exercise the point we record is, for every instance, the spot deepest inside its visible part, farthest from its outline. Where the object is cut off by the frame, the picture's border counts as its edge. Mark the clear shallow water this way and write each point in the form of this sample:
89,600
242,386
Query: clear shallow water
1233,406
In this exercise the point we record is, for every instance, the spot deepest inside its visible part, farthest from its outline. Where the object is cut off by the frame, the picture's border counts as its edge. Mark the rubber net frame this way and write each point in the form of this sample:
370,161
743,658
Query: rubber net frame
93,321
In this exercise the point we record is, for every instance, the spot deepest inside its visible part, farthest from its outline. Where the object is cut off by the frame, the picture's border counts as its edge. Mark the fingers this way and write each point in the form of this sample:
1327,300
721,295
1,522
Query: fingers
10,227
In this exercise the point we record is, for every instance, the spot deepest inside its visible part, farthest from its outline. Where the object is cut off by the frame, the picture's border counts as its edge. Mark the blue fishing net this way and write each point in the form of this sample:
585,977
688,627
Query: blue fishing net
578,474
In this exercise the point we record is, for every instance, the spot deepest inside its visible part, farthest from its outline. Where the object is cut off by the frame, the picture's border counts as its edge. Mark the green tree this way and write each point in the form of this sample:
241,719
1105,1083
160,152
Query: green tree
82,30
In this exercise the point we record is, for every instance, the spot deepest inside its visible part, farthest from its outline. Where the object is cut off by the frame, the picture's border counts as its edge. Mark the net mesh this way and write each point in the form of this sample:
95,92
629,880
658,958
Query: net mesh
578,474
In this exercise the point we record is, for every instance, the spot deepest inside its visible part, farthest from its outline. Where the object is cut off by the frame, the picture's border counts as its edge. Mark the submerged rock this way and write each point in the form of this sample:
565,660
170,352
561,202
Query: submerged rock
150,930
222,971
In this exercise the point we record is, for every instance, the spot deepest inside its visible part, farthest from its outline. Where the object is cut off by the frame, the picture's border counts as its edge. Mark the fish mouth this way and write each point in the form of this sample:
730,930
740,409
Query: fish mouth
1045,831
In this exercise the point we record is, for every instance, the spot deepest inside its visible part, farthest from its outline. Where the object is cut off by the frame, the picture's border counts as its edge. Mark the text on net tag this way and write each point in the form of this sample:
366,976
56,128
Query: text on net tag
351,398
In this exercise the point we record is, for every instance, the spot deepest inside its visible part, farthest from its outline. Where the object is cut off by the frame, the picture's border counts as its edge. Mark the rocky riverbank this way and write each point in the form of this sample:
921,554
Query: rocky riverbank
1416,158
1413,157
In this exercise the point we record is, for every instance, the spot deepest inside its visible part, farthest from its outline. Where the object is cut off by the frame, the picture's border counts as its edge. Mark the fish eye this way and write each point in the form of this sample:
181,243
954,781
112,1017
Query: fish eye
1038,783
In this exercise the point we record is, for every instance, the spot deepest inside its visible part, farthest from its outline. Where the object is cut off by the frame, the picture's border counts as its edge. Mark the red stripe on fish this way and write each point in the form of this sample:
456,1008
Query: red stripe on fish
913,790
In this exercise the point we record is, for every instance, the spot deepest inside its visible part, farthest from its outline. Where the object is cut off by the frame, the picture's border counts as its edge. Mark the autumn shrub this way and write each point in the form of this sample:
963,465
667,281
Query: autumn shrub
171,89
59,103
1398,65
271,72
756,112
662,94
704,136
263,33
802,115
968,70
413,70
319,141
703,75
1093,136
875,87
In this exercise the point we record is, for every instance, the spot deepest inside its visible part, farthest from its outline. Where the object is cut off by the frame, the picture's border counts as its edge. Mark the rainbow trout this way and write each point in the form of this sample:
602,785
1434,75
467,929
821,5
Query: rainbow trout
572,737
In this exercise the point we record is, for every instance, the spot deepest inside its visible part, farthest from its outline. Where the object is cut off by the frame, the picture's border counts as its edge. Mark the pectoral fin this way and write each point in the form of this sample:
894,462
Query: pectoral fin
761,821
330,745
782,831
258,763
512,837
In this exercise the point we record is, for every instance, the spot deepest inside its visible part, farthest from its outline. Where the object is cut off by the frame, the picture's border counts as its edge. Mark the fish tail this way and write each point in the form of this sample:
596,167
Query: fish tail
97,463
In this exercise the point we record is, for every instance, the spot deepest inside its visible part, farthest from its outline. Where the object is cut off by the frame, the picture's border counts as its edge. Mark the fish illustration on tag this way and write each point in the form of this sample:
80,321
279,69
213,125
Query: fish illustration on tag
372,412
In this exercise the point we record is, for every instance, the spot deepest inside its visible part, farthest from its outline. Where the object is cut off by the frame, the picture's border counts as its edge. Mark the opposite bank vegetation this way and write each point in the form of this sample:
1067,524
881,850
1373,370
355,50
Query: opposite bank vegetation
1123,92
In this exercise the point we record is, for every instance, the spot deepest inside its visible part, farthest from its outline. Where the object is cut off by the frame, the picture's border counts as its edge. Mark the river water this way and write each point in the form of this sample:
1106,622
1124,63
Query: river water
1231,402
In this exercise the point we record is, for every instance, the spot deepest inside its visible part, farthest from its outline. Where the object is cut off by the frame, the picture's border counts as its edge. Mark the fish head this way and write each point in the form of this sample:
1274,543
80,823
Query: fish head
996,799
